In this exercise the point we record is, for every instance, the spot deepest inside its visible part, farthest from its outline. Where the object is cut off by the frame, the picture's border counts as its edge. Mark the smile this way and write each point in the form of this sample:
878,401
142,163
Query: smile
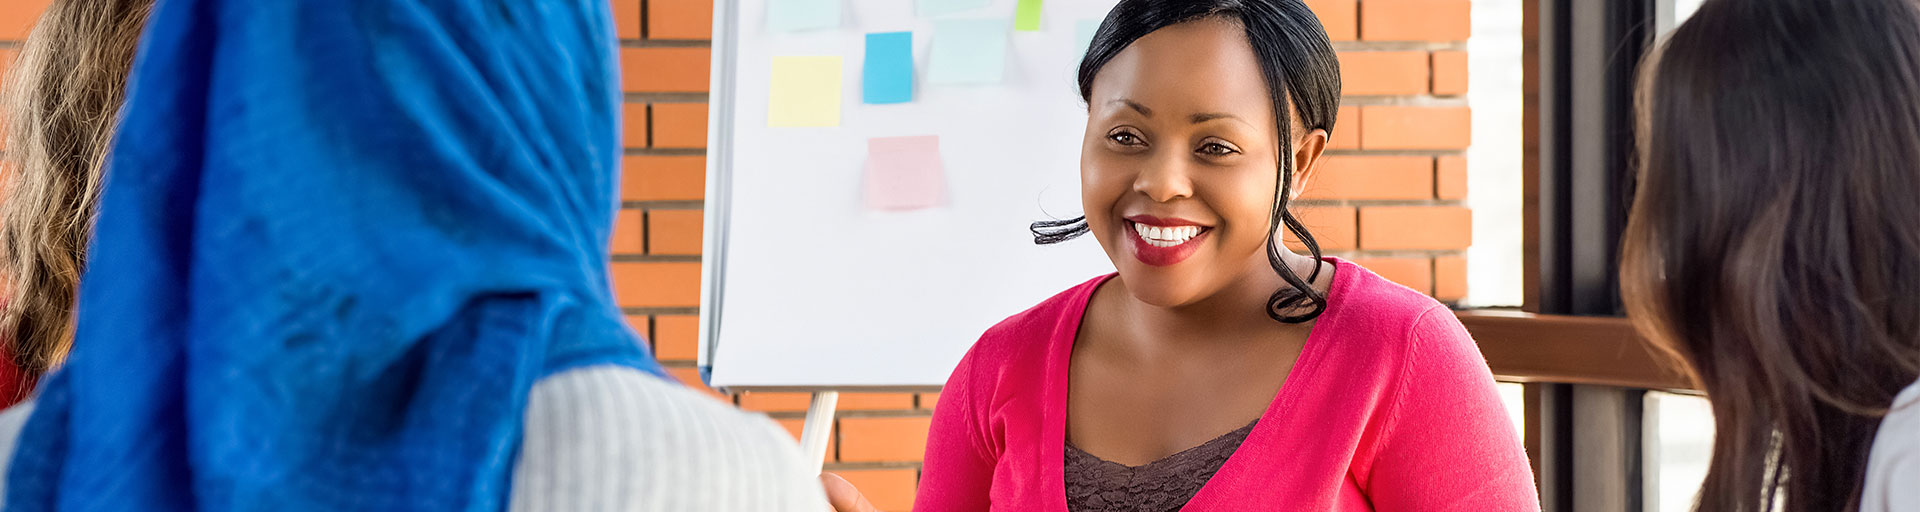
1167,236
1162,242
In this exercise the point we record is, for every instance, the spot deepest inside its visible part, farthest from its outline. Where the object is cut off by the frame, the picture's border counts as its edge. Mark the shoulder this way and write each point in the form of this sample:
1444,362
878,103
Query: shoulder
1381,318
12,421
1894,460
609,437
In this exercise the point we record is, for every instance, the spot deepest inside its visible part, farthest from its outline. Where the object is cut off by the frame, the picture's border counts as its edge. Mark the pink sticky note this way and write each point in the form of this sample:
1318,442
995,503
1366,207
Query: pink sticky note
904,173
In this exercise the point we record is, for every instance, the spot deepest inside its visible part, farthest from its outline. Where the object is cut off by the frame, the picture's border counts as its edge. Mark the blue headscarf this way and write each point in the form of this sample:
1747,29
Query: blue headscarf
339,241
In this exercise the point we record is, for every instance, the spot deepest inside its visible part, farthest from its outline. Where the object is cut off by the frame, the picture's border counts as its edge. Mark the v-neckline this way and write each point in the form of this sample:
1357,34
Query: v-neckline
1054,444
1240,433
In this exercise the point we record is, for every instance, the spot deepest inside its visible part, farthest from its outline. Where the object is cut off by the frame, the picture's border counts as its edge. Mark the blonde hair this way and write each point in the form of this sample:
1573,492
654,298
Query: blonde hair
62,98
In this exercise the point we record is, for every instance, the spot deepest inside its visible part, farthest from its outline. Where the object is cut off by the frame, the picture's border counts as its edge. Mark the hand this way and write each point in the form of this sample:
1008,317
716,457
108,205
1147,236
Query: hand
843,496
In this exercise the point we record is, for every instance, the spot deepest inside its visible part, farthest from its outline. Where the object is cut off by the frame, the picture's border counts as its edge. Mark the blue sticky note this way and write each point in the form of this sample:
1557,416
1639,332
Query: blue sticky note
930,8
969,51
1083,31
887,76
797,15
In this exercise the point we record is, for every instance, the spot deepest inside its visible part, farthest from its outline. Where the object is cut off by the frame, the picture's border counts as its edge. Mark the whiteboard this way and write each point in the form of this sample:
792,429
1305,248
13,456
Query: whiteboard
803,286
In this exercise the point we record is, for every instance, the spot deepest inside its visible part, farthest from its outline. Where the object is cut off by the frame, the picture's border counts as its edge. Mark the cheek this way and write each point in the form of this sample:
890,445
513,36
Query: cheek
1244,202
1103,180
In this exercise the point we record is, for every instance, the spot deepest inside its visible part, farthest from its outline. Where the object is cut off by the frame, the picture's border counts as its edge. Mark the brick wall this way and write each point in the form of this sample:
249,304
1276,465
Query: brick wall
1390,197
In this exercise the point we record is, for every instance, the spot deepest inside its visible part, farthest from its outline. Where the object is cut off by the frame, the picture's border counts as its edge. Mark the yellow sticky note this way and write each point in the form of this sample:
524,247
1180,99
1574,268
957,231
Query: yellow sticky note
805,92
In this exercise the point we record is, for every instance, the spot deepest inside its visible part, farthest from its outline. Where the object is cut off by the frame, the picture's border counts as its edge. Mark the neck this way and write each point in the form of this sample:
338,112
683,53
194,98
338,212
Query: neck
1235,311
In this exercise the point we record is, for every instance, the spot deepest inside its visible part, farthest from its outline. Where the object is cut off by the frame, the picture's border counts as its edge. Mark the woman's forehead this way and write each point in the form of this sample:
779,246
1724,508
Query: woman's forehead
1185,69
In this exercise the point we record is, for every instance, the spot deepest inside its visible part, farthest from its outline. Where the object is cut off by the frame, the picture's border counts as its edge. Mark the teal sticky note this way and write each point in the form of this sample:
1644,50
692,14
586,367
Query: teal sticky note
887,75
930,8
798,15
1026,16
1083,32
968,52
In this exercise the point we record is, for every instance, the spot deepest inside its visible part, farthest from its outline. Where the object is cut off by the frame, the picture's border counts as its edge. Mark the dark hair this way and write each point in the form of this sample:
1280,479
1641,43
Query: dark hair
1774,245
1301,70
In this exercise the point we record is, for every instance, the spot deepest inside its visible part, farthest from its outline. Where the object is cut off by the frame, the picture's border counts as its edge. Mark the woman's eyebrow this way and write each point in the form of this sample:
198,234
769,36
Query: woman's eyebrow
1135,105
1209,116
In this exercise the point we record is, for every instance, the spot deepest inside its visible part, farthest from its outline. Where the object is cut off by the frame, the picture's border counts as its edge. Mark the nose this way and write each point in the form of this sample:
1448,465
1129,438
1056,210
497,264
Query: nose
1165,178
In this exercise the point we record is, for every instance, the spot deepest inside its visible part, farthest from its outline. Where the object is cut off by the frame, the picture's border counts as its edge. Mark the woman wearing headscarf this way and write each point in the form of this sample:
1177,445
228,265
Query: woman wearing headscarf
351,255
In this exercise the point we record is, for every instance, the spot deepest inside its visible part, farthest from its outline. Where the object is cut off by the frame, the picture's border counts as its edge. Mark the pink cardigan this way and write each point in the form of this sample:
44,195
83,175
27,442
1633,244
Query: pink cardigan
1389,407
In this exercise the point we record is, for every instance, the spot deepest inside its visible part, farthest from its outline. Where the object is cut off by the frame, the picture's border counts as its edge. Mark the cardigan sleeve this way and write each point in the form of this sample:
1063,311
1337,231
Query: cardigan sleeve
957,473
1448,443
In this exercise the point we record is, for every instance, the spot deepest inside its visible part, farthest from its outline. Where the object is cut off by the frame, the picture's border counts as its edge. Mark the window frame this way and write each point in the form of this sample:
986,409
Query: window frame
1585,370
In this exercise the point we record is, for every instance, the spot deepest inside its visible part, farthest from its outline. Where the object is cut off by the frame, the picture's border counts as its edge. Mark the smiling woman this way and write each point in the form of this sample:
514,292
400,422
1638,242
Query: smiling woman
1215,369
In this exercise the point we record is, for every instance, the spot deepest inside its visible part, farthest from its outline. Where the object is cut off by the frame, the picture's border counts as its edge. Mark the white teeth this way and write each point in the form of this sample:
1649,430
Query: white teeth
1168,236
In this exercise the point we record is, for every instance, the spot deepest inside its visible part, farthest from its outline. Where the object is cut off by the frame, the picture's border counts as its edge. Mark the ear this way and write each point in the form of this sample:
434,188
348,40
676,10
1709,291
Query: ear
1306,159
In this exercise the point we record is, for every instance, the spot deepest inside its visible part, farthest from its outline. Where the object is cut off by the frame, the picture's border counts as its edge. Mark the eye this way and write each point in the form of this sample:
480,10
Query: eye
1125,138
1217,149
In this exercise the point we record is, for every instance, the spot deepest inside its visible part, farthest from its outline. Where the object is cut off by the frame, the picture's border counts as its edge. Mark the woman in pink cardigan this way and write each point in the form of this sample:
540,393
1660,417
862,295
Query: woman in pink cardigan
1217,370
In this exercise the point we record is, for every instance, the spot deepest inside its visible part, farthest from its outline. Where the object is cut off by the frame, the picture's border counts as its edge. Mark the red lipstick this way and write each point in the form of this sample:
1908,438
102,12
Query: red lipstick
1164,241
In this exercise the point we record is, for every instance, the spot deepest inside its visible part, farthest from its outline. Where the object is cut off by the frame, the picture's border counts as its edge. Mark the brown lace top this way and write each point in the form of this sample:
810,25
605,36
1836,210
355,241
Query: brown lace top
1099,485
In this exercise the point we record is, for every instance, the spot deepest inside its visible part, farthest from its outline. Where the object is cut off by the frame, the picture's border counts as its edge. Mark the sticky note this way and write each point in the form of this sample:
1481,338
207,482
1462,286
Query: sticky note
1026,16
904,173
968,52
887,75
930,8
1083,32
804,92
798,15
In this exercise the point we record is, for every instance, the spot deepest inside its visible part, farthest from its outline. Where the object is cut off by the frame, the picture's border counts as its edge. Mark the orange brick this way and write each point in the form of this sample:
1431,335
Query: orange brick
883,439
664,178
18,16
775,402
1450,278
691,378
680,125
628,233
633,125
1415,20
1383,73
674,231
1333,227
928,400
657,285
680,19
664,69
1449,73
1346,129
626,18
1338,16
875,401
6,61
1371,177
641,325
676,337
1393,127
1450,181
795,426
1415,273
890,490
1419,228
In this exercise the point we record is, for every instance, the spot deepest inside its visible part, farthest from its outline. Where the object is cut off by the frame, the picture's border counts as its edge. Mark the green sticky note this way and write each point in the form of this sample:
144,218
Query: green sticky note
804,92
1026,17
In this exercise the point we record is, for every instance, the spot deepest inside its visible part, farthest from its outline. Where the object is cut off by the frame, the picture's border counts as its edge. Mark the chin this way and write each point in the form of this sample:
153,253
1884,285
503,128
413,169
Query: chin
1163,286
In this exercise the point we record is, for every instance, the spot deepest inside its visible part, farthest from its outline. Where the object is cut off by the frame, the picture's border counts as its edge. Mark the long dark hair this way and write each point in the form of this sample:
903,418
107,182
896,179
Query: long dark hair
1774,245
1302,72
